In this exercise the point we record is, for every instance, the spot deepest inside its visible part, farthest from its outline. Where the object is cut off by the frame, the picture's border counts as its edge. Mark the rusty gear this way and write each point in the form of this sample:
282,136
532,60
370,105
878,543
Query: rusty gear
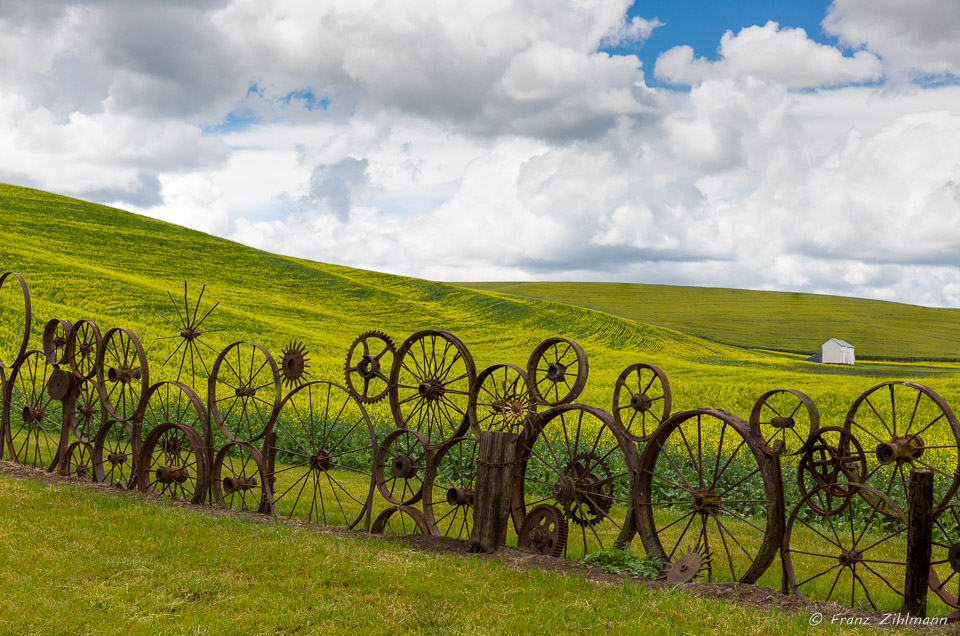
545,530
588,482
368,365
687,567
293,365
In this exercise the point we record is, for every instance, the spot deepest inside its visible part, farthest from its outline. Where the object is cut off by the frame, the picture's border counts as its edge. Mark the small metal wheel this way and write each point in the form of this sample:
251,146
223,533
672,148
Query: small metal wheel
318,457
831,457
15,305
78,461
32,420
173,463
785,419
557,371
369,360
400,520
686,567
945,557
448,488
237,480
430,386
399,466
55,335
500,398
579,459
83,343
705,481
114,456
545,530
293,365
244,391
122,372
641,400
912,426
170,403
854,558
86,413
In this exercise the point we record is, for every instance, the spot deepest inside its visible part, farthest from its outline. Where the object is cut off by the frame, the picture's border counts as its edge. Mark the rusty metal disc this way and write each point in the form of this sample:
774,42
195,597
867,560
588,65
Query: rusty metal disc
33,423
123,375
785,419
83,343
557,371
243,393
686,568
16,307
500,398
448,488
368,365
545,530
237,481
78,461
293,364
400,520
55,335
173,462
641,400
114,454
400,464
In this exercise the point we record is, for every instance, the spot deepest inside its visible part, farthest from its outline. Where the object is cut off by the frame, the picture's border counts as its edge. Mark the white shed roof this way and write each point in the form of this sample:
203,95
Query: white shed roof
842,343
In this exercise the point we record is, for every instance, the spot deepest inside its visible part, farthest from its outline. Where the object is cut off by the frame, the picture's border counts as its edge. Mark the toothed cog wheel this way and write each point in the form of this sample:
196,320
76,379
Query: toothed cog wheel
368,364
294,364
687,567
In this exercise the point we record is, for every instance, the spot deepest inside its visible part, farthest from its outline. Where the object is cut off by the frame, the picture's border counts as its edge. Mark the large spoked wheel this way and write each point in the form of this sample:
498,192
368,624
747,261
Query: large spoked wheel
174,463
400,465
641,400
430,386
500,398
237,480
785,419
87,414
83,342
577,458
32,421
318,457
114,455
15,304
171,403
908,425
244,391
705,483
122,373
557,371
855,557
368,364
448,488
55,334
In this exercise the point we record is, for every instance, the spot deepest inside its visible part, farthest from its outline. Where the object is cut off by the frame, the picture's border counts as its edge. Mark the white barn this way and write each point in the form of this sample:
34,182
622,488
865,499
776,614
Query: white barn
835,351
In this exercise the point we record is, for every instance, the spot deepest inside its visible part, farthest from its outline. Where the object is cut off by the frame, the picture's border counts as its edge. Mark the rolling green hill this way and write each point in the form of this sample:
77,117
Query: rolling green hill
780,321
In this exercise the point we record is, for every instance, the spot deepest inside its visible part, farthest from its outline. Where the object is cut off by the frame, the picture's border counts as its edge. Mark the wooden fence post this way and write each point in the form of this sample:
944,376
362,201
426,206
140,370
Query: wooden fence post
919,536
491,499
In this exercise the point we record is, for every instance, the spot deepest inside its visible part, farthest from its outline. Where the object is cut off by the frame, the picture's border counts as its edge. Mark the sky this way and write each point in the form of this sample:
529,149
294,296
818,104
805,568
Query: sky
800,146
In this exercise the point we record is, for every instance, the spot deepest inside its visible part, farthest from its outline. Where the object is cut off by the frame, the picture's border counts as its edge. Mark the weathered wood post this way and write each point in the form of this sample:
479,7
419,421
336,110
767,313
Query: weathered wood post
491,499
919,537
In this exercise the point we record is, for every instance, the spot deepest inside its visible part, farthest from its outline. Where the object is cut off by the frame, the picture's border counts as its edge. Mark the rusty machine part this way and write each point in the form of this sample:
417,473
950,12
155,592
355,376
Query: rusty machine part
579,459
13,303
400,520
293,364
912,426
500,398
86,413
173,462
689,488
785,419
123,375
430,386
83,343
545,530
448,488
55,334
114,458
557,371
318,457
831,458
944,576
400,464
687,567
33,422
641,400
243,393
78,461
188,331
169,402
368,364
237,480
856,551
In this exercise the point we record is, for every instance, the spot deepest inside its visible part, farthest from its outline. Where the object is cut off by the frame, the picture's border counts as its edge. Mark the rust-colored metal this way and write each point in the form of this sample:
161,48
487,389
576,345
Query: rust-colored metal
293,364
78,461
237,481
33,422
173,462
545,530
114,454
243,392
191,346
400,520
83,342
944,577
557,371
10,357
368,364
399,466
169,402
61,384
448,488
500,398
123,375
785,419
687,567
641,400
88,414
831,457
55,335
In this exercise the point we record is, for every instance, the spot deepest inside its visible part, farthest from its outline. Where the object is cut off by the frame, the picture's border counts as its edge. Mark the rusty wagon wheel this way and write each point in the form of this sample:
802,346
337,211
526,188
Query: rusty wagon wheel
577,458
114,454
86,413
944,575
500,399
318,457
430,386
244,391
557,371
831,457
83,343
641,400
400,464
173,462
15,304
400,520
912,427
368,364
169,402
785,419
78,461
701,473
55,334
237,480
856,554
33,422
122,372
448,488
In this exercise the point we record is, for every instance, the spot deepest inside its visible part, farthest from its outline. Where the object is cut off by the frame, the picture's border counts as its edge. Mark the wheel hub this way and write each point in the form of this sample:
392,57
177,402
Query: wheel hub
32,414
245,391
641,402
123,374
171,474
87,410
460,496
782,422
322,461
190,334
87,349
238,484
403,467
431,389
706,501
564,490
116,458
369,367
900,450
171,445
556,371
850,557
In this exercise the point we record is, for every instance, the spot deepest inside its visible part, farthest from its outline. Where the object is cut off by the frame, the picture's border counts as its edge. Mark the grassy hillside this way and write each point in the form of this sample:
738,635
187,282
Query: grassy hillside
797,323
